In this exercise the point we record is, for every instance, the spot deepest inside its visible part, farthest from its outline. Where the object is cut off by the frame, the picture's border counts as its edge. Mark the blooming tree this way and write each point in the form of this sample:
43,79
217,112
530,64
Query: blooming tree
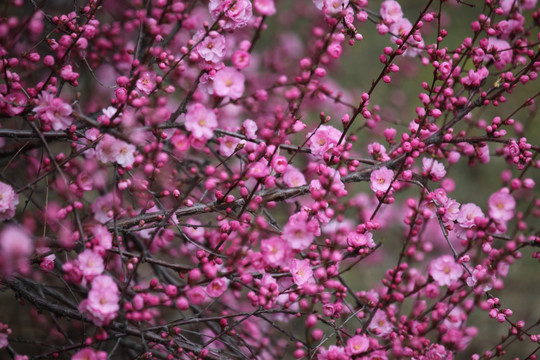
189,179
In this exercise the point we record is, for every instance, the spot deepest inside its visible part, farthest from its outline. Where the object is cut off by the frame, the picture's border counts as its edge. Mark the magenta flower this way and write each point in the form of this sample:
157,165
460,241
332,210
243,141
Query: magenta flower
265,7
227,145
333,352
325,138
217,287
499,51
101,306
380,324
357,344
299,232
301,272
90,263
502,205
229,82
212,48
467,214
433,168
381,179
111,149
146,82
445,270
237,13
8,201
14,103
391,11
15,249
275,251
293,177
54,111
200,121
357,240
89,354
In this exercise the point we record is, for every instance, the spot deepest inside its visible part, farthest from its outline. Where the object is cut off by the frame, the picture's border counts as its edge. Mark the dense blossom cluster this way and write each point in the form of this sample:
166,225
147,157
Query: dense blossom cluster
198,179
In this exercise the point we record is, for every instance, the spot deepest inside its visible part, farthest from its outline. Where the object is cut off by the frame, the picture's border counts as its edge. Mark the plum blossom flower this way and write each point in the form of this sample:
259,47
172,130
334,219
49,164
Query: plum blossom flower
391,11
111,149
258,169
229,82
401,28
438,352
275,251
474,78
146,82
333,352
14,103
502,50
5,331
200,121
293,177
265,7
501,205
299,232
357,344
217,287
357,240
236,13
325,138
433,168
380,324
301,272
228,144
8,201
467,215
90,263
89,354
212,48
101,306
381,179
54,111
15,249
445,270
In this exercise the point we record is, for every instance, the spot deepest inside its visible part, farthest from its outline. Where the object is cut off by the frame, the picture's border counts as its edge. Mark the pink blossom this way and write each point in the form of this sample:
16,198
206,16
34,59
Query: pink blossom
250,128
445,270
8,201
90,263
212,48
200,121
391,11
433,168
325,138
101,306
293,177
103,207
236,13
438,352
467,214
357,345
381,179
299,232
196,295
15,249
5,331
111,149
275,251
102,236
333,7
89,354
301,272
265,7
380,324
217,287
194,232
228,144
279,164
357,240
54,111
401,29
258,169
333,353
240,59
501,205
474,78
14,103
229,82
146,82
502,50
